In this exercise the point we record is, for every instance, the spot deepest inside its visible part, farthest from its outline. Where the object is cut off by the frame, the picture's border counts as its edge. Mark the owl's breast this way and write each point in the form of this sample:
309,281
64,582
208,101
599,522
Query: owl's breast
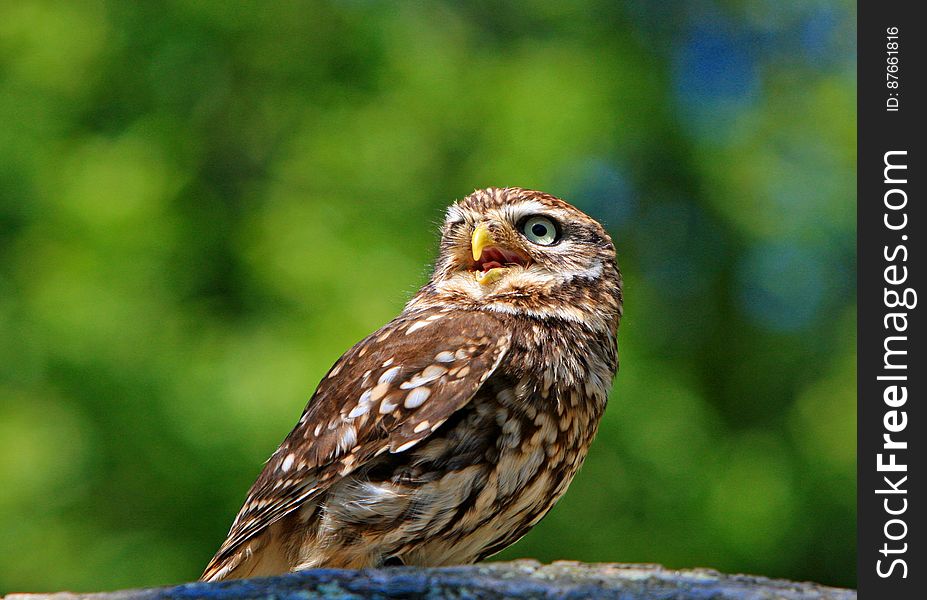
557,366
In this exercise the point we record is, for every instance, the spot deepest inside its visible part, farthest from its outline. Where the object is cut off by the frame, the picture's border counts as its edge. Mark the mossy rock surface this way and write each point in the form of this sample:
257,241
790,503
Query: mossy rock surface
520,579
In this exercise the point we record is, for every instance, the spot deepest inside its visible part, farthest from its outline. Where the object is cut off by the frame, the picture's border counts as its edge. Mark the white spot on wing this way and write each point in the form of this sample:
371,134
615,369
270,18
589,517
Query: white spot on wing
405,446
388,405
428,374
417,397
432,372
416,326
389,375
287,462
444,357
359,410
379,391
348,438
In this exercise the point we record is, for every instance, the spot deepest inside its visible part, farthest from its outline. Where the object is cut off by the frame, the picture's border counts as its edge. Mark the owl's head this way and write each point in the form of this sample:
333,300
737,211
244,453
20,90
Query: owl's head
526,252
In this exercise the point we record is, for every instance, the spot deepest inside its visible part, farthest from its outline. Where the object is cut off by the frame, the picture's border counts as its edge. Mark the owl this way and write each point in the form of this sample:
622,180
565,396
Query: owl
444,436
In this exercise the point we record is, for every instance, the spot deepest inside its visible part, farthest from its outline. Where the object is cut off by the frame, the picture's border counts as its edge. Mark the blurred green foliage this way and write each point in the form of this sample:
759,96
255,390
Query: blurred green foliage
203,203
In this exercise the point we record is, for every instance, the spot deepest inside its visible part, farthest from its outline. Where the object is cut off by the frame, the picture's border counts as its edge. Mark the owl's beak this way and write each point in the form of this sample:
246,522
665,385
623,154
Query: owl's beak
481,238
490,260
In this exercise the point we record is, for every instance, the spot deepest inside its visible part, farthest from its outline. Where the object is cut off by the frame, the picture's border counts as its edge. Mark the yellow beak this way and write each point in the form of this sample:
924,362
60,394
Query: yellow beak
481,238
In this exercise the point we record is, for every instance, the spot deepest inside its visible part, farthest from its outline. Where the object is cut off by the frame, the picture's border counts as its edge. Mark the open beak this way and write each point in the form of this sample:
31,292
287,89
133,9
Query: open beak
481,238
489,259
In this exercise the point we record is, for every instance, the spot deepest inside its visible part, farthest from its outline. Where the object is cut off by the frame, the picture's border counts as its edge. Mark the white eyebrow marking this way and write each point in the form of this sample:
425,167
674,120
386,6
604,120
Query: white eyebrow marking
527,207
453,215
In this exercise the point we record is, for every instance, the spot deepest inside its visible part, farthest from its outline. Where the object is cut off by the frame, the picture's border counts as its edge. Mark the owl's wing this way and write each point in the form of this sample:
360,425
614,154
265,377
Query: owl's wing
386,394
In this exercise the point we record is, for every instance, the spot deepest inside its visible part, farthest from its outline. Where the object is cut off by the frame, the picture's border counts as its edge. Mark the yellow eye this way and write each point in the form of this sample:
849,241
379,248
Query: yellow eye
540,230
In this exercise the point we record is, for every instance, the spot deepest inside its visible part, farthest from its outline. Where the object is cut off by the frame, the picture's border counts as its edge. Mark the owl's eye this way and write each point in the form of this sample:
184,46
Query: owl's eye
540,230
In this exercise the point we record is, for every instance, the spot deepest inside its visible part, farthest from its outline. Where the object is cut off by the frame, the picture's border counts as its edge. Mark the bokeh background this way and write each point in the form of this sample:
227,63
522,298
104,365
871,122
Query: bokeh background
204,203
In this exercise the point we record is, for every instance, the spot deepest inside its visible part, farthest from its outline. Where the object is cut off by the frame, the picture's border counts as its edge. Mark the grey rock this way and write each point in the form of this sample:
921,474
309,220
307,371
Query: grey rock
519,579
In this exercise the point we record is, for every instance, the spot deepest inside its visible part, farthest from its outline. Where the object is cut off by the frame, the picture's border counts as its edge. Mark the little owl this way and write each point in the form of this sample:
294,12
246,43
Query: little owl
444,436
